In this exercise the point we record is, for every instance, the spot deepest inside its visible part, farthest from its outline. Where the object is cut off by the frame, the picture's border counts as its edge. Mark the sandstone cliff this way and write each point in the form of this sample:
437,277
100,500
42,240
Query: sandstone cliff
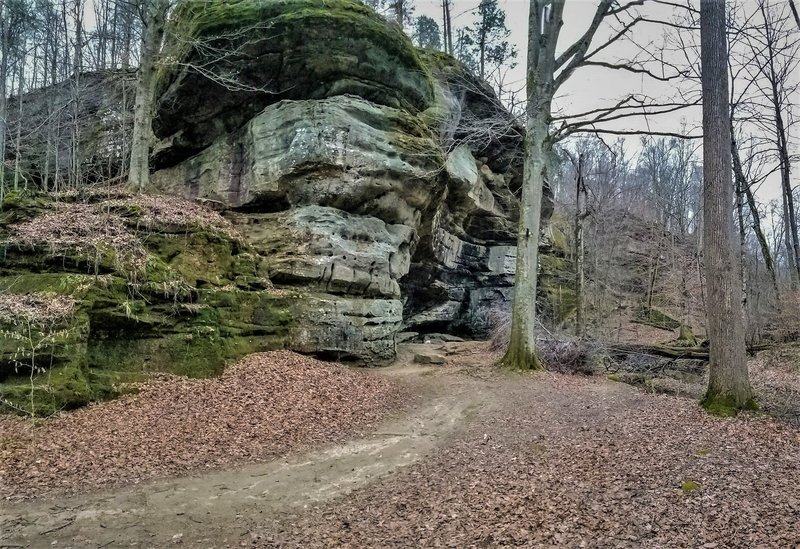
337,187
373,177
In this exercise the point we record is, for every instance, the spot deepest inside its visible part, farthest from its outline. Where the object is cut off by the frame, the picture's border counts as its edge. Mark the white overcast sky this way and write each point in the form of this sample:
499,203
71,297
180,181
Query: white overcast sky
590,88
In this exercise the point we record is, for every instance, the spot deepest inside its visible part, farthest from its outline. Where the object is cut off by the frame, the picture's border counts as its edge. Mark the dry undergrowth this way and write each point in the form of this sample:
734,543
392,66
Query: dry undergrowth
775,375
35,308
113,225
172,211
84,228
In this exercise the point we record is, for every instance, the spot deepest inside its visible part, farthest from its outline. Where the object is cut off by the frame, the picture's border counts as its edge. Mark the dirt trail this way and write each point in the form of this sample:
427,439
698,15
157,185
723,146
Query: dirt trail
208,509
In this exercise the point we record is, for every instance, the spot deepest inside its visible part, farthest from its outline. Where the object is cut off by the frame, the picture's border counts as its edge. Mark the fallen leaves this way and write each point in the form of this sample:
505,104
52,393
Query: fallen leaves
174,211
576,462
265,405
84,228
114,221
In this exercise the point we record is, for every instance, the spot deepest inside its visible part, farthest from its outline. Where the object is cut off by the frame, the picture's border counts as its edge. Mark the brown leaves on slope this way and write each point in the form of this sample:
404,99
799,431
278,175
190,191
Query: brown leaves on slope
174,211
265,405
114,225
80,227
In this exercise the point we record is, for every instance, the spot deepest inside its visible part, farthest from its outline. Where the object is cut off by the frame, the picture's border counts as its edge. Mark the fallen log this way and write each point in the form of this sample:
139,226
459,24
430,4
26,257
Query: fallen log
670,351
666,351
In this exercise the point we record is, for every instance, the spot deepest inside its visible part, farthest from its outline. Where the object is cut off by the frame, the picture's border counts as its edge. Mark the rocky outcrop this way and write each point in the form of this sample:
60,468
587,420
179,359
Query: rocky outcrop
301,49
372,185
379,179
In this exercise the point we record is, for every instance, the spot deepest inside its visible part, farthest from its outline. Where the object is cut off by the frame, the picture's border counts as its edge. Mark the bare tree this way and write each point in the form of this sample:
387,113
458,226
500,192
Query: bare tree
14,15
447,24
729,386
767,50
155,13
548,71
744,190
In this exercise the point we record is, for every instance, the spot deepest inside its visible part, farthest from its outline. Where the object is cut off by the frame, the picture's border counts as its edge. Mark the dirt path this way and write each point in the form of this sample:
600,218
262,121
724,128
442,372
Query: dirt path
215,509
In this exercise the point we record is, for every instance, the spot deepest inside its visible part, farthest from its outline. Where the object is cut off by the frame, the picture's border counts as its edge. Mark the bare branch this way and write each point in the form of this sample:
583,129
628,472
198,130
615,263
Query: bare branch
636,70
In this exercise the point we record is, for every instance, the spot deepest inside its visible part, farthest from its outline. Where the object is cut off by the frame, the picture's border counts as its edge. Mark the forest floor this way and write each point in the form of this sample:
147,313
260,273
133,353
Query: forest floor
470,457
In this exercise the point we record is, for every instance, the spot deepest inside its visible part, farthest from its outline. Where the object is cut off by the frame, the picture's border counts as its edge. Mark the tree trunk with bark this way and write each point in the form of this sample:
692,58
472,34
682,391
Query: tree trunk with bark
580,216
5,52
729,386
152,35
796,15
448,26
542,41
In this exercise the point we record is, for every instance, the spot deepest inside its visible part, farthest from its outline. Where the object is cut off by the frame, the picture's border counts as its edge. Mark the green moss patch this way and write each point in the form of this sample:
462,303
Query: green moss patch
689,486
196,302
46,393
654,317
723,405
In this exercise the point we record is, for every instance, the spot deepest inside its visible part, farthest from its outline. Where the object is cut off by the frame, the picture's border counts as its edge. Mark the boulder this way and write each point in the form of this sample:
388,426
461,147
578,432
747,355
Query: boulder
369,186
429,359
299,49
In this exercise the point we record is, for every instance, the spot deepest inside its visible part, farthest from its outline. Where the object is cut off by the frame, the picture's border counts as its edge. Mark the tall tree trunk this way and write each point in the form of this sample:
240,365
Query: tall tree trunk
400,12
18,144
788,197
482,47
741,183
152,34
448,27
728,385
790,217
580,215
793,6
542,41
127,34
742,242
5,50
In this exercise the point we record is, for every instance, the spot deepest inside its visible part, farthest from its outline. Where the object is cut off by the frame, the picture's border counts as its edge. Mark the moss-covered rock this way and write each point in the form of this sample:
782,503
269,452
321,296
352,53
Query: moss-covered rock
655,317
48,392
288,49
195,301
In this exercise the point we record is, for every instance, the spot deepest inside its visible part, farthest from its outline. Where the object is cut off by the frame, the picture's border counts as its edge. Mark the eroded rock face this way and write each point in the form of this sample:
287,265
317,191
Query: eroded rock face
376,183
331,193
464,268
301,49
344,152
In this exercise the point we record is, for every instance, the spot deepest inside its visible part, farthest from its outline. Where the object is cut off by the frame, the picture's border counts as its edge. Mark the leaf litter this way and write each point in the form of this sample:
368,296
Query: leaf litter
567,461
561,461
264,406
